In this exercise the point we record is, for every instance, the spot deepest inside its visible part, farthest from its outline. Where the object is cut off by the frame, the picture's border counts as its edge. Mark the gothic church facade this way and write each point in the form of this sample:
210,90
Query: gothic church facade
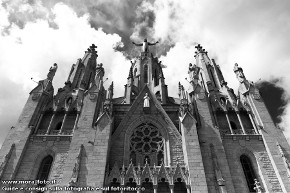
206,140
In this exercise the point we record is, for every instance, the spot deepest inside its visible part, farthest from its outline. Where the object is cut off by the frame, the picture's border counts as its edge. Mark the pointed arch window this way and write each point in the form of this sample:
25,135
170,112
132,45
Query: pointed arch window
44,169
145,74
249,172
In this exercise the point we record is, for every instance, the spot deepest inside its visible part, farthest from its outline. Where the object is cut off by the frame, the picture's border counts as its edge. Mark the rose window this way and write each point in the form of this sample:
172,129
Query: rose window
146,145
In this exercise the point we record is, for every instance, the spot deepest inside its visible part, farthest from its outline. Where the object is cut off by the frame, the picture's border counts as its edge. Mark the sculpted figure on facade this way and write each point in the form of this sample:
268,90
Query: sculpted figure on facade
145,45
52,72
146,100
239,73
193,72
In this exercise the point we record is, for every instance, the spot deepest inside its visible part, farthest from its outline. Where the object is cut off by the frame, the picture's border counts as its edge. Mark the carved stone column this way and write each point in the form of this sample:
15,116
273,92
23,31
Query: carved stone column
229,123
50,123
241,123
62,124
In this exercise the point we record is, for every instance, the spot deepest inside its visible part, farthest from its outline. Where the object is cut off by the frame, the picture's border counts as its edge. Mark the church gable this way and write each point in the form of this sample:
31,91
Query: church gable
138,110
145,113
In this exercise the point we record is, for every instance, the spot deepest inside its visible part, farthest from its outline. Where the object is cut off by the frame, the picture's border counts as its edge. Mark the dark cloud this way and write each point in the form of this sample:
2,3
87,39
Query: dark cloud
273,98
130,19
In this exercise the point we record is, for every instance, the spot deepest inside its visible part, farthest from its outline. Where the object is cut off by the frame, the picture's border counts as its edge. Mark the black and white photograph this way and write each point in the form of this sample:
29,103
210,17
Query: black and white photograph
145,96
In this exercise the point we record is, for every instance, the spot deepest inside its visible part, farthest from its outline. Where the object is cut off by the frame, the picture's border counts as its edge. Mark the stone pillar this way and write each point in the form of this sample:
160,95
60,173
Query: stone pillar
50,123
188,188
76,122
241,123
155,187
229,123
62,124
38,123
171,188
192,154
138,189
253,123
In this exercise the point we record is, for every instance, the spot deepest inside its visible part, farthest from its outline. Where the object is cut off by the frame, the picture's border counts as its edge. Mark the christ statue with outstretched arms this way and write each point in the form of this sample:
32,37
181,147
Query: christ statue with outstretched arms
145,45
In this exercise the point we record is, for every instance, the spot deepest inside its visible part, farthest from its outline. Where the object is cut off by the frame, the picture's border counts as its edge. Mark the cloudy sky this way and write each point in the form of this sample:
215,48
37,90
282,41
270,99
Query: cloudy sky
37,33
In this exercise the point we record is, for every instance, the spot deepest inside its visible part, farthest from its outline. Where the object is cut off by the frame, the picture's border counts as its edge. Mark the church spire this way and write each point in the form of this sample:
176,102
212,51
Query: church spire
204,63
83,73
219,74
146,70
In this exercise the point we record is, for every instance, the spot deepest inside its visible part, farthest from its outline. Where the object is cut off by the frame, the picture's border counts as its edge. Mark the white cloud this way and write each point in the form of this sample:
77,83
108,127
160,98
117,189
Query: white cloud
29,52
254,34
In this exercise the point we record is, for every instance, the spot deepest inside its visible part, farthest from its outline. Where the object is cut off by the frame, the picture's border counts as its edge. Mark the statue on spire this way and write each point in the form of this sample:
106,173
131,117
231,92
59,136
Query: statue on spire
100,71
145,45
244,83
239,73
193,72
51,72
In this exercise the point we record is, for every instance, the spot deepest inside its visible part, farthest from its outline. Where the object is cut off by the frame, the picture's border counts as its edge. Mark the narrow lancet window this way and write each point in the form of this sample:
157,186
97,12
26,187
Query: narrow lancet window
145,74
44,170
249,172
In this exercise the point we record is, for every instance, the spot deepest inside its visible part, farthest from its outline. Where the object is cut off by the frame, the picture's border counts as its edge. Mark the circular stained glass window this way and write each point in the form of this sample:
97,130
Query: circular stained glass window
146,140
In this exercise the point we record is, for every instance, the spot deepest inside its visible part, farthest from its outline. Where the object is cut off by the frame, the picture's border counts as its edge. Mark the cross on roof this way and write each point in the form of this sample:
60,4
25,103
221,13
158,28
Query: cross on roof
198,47
93,46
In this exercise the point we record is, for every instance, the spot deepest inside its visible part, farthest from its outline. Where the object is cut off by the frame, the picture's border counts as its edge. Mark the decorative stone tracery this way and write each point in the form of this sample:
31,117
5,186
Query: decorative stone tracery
146,145
148,174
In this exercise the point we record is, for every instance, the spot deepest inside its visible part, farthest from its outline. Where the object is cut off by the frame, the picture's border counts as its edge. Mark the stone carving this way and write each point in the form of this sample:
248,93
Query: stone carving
110,91
76,169
145,45
258,186
239,73
146,101
100,72
107,107
193,72
184,105
154,174
244,83
6,159
133,63
52,72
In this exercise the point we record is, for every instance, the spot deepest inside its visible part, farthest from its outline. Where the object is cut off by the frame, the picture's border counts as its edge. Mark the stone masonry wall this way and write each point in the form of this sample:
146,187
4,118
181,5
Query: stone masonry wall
253,147
36,151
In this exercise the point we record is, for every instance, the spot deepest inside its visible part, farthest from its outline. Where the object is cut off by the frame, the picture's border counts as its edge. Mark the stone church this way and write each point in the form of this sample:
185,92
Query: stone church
83,139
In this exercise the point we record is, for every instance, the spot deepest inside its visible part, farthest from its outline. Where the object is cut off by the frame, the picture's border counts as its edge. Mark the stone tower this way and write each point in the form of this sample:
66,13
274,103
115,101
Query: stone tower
84,140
